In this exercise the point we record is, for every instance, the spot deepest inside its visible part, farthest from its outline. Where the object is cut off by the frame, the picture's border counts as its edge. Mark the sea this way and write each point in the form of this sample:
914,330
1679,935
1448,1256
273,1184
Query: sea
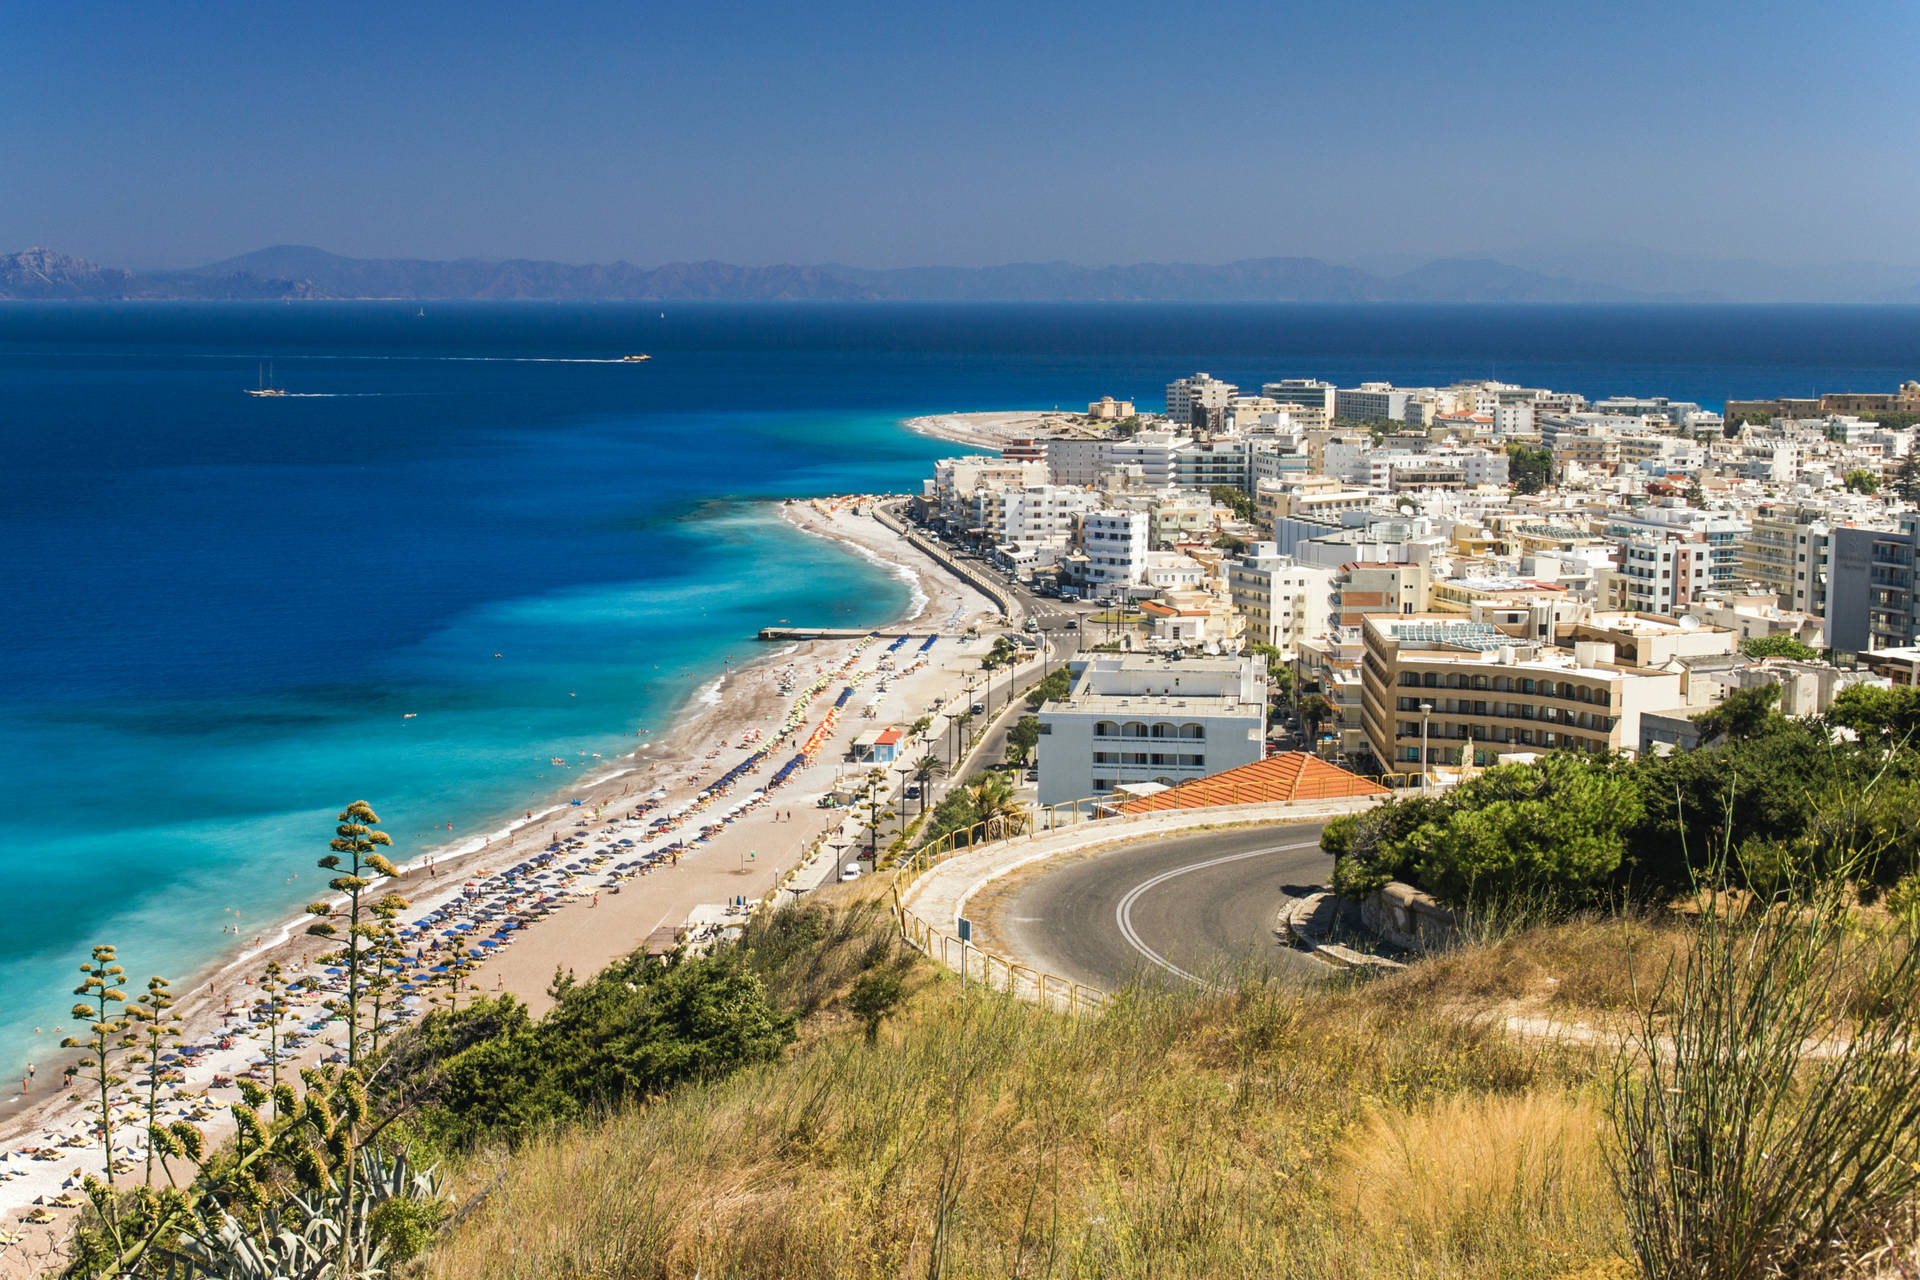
471,540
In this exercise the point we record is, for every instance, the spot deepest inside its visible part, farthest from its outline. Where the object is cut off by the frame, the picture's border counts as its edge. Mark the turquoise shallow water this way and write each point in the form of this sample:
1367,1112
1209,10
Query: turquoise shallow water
220,608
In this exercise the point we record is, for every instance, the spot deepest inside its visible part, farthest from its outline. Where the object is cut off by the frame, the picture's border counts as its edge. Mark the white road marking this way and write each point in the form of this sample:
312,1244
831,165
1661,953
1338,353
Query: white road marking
1123,914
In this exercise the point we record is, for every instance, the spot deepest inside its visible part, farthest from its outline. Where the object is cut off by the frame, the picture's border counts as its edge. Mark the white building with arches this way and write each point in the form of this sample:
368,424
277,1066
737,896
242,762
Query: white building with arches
1146,718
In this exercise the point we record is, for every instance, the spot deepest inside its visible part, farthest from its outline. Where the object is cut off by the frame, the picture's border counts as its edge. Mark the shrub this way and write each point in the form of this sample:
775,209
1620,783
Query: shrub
1773,1116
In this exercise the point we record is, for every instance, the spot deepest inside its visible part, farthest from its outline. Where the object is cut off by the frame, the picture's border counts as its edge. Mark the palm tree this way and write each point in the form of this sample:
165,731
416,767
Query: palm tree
998,808
924,773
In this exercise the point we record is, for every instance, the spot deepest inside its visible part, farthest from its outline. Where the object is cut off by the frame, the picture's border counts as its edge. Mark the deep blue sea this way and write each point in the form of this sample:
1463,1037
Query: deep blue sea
219,608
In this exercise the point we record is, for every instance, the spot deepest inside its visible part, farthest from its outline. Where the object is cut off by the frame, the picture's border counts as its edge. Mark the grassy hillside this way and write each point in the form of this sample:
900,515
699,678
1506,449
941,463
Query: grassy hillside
1359,1131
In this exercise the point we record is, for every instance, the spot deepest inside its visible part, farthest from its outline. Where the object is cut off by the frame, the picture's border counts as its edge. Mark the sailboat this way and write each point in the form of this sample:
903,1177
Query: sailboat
266,387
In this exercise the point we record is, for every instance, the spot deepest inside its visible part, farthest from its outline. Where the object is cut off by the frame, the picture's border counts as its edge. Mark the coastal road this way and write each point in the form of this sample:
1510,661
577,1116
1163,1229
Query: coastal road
1182,909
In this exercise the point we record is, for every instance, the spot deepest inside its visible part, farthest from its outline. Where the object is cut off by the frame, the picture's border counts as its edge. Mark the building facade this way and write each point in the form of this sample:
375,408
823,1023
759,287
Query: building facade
1142,718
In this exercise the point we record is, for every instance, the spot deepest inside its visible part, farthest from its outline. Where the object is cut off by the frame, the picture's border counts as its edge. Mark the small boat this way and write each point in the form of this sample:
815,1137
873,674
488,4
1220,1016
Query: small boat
634,359
266,387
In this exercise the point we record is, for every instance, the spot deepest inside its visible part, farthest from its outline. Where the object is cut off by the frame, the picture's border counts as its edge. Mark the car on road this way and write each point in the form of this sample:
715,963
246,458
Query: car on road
852,872
912,792
979,708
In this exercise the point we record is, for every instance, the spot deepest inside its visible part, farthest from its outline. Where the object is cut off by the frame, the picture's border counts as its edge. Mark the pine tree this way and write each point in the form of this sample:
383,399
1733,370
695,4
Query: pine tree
1906,477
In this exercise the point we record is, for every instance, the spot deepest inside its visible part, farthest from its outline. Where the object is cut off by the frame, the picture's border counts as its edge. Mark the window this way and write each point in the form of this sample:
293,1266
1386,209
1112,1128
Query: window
1195,732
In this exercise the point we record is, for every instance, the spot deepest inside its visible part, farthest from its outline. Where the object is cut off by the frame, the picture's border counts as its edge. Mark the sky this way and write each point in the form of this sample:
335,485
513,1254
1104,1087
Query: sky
963,133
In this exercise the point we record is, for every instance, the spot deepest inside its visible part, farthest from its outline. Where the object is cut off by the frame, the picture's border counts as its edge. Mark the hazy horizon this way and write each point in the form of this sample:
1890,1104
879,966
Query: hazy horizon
973,135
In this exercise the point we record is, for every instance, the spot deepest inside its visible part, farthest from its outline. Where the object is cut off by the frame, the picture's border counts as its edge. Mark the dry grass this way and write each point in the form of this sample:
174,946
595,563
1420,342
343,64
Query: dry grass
1587,967
1533,1166
1261,1132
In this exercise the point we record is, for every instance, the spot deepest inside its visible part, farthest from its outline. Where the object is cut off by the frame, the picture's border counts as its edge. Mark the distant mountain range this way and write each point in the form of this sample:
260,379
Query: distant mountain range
296,271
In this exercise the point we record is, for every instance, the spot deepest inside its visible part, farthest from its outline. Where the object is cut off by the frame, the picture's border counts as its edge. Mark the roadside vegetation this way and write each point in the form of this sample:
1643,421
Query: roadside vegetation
1782,805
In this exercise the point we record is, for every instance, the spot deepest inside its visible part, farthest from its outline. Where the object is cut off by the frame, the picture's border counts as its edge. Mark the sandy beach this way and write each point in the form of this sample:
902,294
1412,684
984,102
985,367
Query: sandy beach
647,843
989,430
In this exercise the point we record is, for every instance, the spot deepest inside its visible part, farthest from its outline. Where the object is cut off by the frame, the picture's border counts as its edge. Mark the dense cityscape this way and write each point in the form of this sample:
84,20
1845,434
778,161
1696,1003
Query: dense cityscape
1611,569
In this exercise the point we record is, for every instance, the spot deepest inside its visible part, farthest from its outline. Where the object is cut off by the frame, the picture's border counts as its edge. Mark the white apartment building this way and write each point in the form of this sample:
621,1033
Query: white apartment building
1221,460
1180,516
955,481
1143,718
1076,461
1115,543
1656,575
1788,551
1032,513
1275,458
1373,402
1201,389
1148,456
1481,466
1672,518
1283,602
1306,392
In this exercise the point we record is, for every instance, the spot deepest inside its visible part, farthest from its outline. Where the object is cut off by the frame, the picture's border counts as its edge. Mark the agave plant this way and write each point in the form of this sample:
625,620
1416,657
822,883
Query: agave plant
301,1238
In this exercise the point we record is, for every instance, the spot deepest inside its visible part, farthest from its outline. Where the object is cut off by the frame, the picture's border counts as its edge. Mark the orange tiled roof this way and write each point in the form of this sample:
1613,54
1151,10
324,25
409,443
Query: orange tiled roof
1291,775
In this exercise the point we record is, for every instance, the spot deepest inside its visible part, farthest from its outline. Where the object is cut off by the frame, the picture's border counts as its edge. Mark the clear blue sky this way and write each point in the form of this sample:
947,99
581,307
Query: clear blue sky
885,134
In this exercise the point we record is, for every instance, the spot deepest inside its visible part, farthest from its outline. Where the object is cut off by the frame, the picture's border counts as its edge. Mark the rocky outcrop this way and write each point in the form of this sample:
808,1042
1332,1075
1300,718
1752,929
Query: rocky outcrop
1409,918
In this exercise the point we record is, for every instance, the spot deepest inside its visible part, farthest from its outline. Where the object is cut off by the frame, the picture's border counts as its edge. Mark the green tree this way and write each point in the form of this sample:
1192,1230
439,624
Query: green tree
1906,477
1696,495
1315,710
1238,501
108,1034
1861,480
1879,715
874,996
1023,738
1780,646
1231,545
1000,811
1529,470
158,1031
929,768
637,1028
1057,685
1743,713
1554,831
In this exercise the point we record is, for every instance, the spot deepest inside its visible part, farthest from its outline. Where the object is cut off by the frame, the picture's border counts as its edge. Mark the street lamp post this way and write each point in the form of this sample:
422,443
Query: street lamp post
1426,709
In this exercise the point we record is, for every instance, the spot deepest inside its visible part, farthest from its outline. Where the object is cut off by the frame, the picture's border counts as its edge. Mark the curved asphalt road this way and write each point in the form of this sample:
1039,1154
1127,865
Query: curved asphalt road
1188,908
